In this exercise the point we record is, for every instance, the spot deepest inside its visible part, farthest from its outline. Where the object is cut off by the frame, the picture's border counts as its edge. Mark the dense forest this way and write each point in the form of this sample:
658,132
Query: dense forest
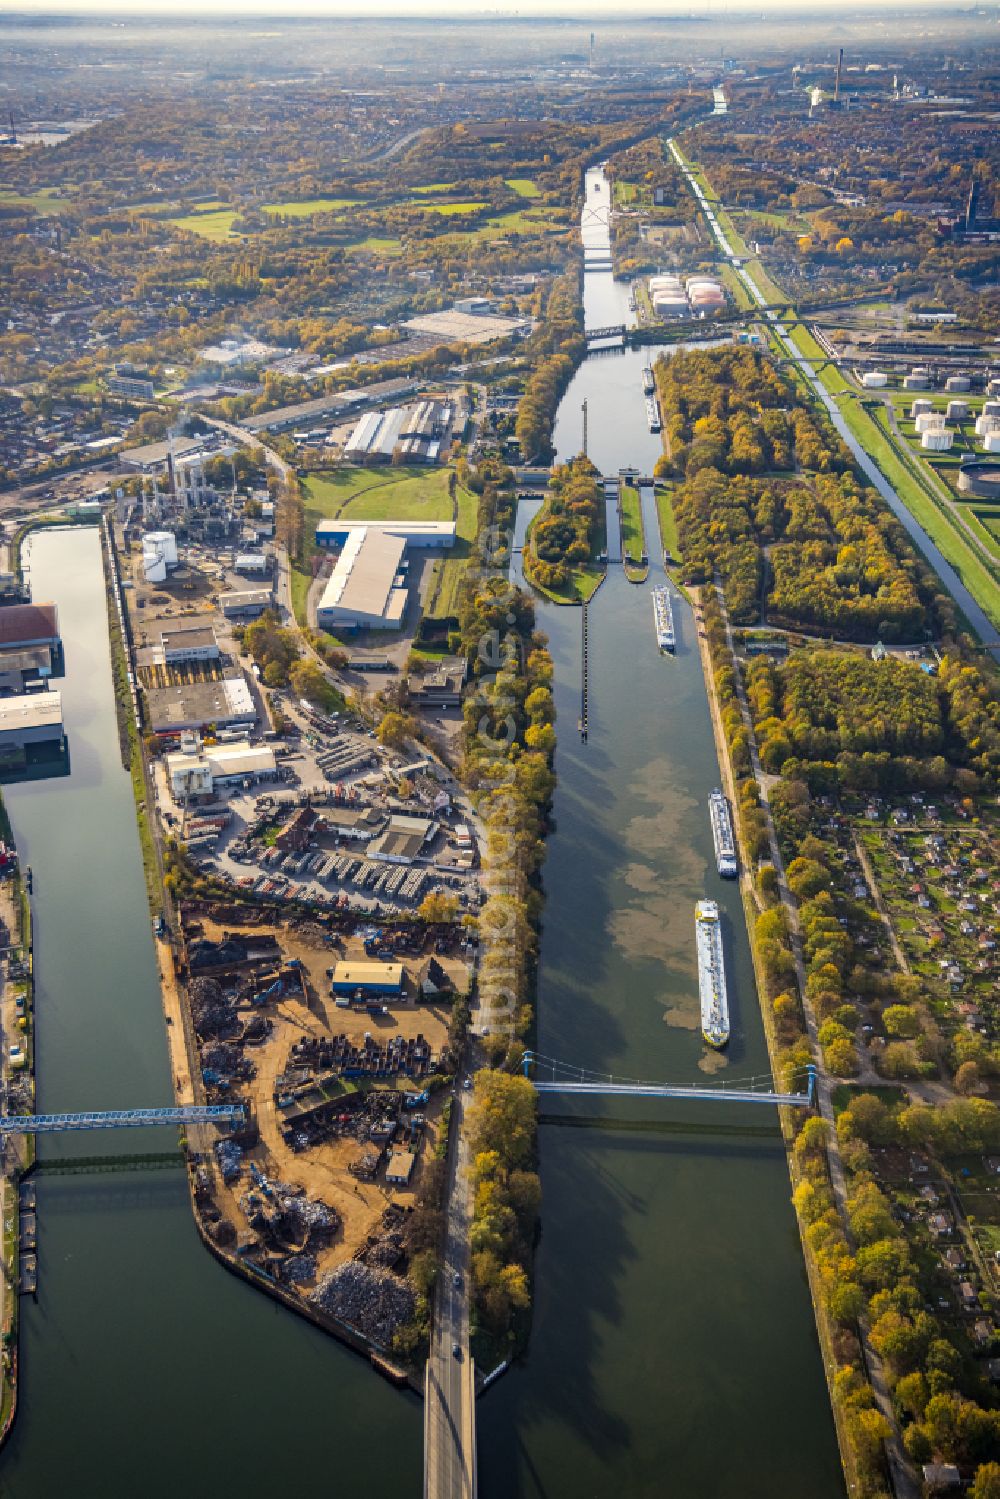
807,548
565,529
842,721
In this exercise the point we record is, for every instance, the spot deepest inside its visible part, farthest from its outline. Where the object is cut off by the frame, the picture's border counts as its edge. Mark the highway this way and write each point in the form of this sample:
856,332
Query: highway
449,1388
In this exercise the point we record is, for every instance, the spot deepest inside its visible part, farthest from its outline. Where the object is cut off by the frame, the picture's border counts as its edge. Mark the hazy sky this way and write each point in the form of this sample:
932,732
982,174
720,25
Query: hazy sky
525,10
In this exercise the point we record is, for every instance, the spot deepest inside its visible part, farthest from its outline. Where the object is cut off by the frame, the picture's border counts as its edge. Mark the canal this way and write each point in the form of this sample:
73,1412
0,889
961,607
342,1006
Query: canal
673,1348
146,1368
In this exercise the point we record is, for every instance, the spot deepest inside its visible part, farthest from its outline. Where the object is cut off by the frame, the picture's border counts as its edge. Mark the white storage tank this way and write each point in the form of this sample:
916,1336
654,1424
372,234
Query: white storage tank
920,405
874,379
937,439
958,382
991,442
957,411
929,421
154,567
165,542
991,408
670,304
993,388
986,424
915,382
920,372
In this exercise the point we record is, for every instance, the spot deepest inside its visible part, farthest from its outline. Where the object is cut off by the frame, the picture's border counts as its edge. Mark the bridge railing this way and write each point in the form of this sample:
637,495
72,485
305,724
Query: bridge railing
47,1124
580,1081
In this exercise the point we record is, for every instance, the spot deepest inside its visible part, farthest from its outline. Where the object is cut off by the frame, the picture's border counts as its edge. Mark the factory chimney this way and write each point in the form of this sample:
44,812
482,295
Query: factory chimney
840,64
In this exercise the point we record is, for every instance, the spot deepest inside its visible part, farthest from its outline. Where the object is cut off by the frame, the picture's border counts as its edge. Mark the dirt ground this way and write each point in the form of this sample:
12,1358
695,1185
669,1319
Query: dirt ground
322,1170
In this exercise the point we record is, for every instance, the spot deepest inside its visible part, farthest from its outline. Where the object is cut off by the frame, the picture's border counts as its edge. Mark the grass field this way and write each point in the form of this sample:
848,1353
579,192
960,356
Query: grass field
448,210
668,526
442,598
434,187
376,245
304,207
366,494
523,186
213,225
45,201
633,542
518,221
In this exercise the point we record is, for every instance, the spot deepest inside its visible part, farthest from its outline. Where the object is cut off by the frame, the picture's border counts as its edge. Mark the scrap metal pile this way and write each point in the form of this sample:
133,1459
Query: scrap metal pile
373,1301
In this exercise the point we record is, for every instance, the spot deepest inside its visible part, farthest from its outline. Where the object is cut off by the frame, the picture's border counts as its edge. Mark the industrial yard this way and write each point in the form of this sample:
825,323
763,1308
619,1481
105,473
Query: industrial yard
334,1052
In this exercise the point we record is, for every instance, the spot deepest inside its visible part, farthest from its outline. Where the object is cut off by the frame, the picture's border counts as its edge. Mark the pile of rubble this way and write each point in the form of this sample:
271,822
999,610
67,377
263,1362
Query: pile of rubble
230,1159
299,1268
212,1012
373,1302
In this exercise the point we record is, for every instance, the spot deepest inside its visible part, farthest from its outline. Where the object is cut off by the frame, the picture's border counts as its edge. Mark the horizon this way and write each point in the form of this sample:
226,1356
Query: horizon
473,10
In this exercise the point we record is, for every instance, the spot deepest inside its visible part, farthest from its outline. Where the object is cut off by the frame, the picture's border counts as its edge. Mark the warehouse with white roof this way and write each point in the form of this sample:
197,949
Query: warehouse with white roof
367,588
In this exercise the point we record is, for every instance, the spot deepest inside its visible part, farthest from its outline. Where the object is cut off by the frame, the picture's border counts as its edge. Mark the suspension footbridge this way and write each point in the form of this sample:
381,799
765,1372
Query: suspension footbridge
550,1075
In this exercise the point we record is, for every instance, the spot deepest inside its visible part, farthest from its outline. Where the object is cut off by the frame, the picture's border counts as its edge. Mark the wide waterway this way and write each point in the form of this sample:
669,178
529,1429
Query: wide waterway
673,1349
146,1368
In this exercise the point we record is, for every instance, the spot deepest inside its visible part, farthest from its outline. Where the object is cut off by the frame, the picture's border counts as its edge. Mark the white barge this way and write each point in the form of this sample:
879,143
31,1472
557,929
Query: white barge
663,619
711,974
653,414
722,833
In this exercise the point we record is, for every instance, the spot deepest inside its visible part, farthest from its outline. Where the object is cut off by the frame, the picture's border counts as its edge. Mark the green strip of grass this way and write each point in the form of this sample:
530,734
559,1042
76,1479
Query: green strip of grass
633,540
668,525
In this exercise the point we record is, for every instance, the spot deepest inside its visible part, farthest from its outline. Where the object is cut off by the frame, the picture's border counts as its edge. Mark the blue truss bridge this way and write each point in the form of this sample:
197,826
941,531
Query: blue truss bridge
551,1076
50,1124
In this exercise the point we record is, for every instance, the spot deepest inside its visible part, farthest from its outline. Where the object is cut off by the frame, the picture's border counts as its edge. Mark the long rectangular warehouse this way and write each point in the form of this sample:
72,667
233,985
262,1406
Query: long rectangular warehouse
35,718
367,588
416,533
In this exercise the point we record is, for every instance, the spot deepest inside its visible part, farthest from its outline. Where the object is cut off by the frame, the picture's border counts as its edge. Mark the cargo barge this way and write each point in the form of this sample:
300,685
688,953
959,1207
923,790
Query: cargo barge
663,619
653,414
711,975
722,833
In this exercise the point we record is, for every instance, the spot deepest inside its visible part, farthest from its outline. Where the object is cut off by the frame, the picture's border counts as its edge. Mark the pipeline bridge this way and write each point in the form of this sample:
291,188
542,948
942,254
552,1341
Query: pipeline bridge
50,1124
549,1075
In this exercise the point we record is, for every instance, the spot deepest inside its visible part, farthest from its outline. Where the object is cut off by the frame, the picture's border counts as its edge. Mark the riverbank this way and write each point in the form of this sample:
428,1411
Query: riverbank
825,1328
17,1009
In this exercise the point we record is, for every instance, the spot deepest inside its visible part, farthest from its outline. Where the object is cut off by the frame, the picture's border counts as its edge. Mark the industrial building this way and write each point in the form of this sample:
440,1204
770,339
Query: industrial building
182,647
403,840
30,647
29,624
195,705
17,668
359,823
440,688
367,978
375,436
197,770
461,324
247,603
416,533
367,588
252,564
406,434
35,718
337,406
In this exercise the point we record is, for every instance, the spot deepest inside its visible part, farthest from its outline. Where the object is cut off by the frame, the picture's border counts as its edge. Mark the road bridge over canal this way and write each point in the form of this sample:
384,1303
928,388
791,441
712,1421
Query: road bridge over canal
449,1388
